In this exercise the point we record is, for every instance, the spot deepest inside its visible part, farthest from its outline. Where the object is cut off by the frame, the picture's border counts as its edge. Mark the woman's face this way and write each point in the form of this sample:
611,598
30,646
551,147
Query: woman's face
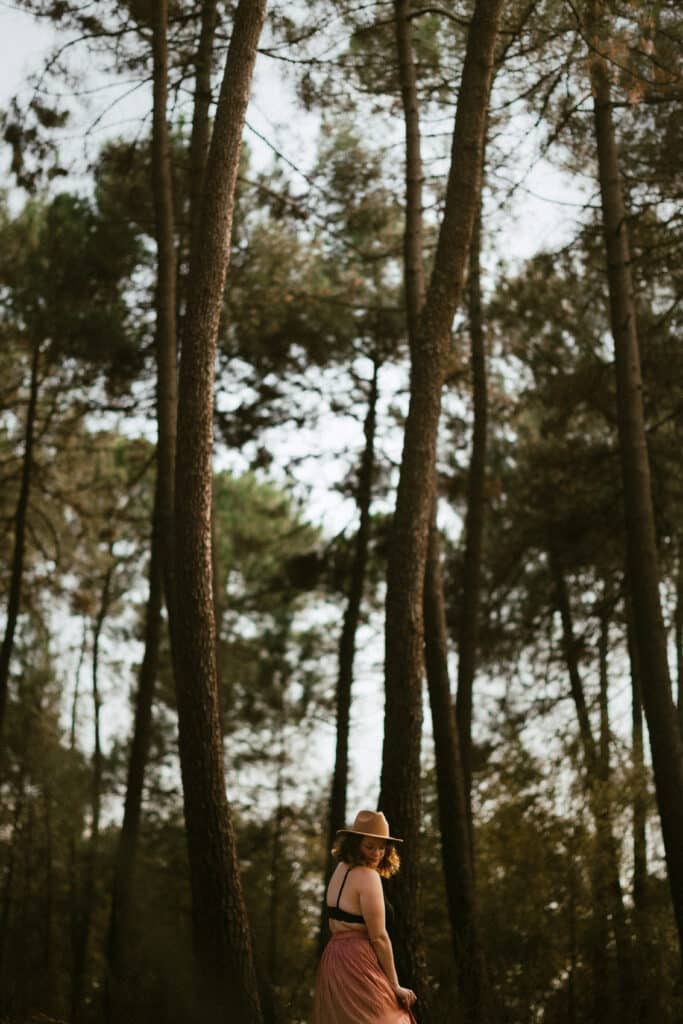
372,851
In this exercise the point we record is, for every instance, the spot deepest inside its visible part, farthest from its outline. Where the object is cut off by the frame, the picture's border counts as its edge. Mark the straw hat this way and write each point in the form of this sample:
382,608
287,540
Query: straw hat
372,824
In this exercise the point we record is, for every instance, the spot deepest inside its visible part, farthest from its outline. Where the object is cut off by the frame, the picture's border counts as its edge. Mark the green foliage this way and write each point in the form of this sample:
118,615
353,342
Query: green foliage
65,271
258,531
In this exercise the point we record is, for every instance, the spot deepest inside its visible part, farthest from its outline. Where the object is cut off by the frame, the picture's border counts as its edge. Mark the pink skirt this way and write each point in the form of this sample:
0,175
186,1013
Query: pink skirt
352,988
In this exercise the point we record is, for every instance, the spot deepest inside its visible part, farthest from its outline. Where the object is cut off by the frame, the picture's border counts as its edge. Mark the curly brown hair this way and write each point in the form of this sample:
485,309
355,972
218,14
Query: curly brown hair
347,849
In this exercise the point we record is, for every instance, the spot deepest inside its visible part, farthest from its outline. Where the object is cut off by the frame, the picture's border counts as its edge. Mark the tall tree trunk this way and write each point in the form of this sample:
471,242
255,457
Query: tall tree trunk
603,656
603,869
640,789
347,640
456,855
162,551
468,636
74,822
87,901
413,236
48,921
200,138
454,825
20,515
220,930
641,545
166,341
400,785
275,916
124,865
644,948
201,128
590,754
678,631
8,881
77,687
573,944
23,937
609,896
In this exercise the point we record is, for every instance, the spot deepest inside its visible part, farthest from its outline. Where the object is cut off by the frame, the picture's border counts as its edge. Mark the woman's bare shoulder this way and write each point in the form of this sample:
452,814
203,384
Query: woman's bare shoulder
366,877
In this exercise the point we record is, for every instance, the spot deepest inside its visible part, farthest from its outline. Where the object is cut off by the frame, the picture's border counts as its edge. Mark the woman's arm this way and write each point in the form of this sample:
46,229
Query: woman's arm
372,909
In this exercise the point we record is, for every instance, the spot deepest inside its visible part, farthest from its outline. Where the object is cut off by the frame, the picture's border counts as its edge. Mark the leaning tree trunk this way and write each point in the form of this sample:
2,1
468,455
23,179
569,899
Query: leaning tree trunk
8,878
162,538
201,125
646,951
347,641
606,875
220,930
413,236
20,516
166,341
639,786
641,542
455,845
454,823
468,635
200,138
602,860
678,632
400,786
275,915
50,892
124,864
87,900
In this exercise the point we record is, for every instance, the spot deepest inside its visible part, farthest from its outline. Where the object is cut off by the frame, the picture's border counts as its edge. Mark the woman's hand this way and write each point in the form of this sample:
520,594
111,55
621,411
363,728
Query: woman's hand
406,997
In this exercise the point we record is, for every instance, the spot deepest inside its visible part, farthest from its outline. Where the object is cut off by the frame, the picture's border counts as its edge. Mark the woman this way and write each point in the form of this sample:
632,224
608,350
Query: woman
357,982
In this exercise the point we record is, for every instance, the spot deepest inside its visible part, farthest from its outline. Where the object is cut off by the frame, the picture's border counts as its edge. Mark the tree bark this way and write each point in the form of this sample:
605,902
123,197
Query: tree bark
400,785
347,641
456,848
468,637
20,517
220,930
641,544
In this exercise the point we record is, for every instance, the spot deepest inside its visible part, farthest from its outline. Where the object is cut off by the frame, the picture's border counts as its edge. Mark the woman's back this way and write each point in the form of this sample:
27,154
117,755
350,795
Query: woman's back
344,897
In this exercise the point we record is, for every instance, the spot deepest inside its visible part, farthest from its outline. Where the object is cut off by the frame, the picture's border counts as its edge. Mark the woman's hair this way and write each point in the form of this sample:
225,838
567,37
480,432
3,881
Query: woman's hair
347,848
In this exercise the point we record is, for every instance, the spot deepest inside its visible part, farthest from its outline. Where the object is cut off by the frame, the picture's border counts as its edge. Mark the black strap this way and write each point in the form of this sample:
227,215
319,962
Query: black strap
342,886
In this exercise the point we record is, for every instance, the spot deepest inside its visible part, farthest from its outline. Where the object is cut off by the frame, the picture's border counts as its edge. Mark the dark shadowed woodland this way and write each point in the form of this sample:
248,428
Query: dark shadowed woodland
341,467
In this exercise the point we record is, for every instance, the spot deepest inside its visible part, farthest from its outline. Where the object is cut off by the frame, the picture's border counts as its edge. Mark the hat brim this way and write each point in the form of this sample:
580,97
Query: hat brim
370,835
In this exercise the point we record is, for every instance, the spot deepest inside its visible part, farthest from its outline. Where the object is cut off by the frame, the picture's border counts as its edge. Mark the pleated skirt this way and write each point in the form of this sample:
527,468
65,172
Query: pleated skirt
352,988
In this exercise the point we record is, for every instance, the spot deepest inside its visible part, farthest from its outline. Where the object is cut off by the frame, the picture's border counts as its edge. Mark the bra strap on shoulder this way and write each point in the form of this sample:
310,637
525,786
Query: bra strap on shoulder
342,886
